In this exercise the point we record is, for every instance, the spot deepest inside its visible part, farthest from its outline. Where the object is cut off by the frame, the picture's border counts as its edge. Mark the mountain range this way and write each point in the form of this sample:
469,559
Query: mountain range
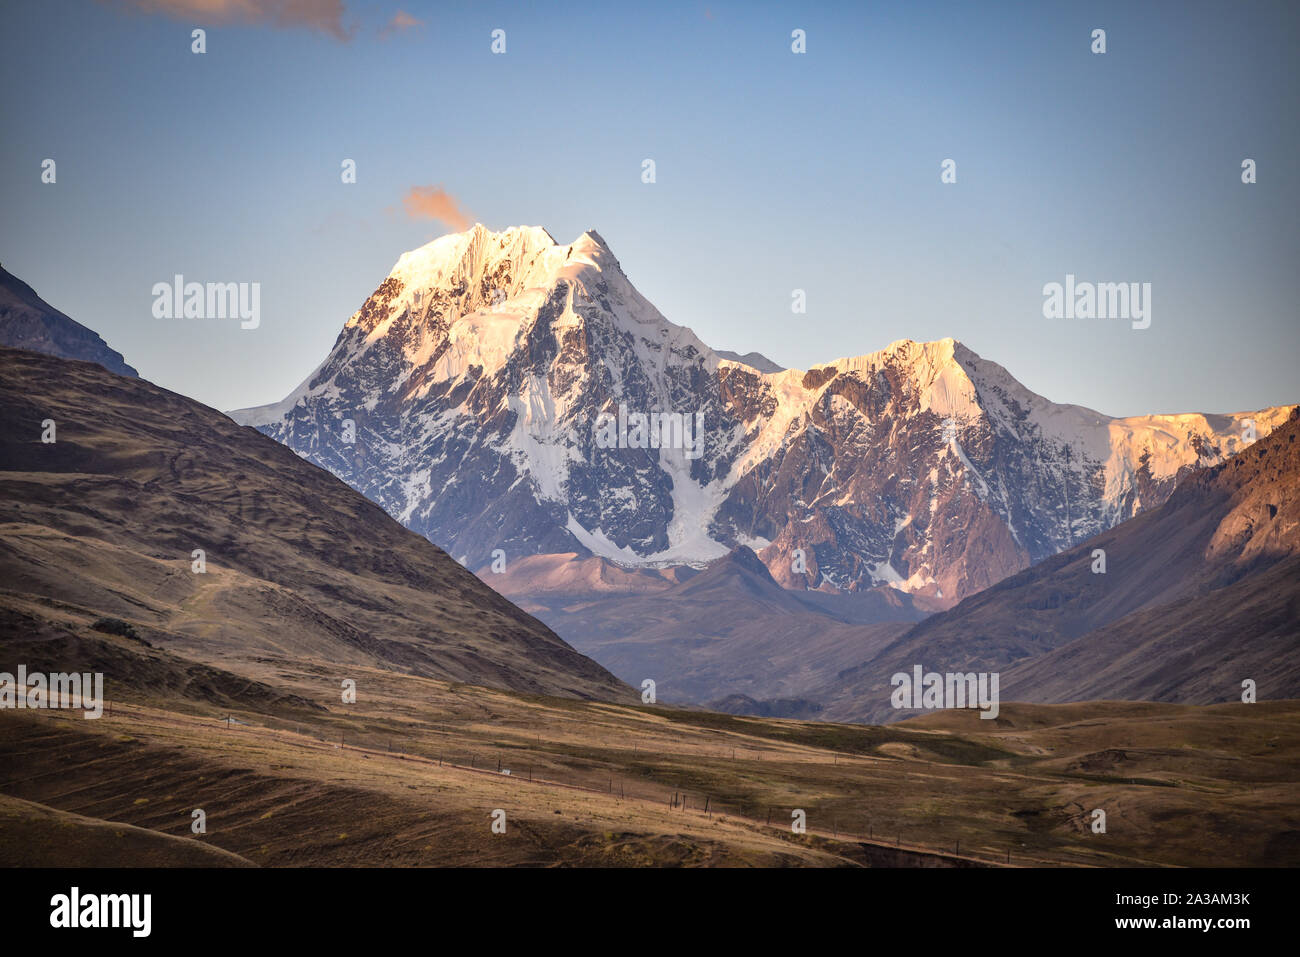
473,397
467,396
784,560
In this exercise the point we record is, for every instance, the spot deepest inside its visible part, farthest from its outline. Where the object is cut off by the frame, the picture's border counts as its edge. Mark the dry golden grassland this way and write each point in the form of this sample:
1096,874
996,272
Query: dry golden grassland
408,775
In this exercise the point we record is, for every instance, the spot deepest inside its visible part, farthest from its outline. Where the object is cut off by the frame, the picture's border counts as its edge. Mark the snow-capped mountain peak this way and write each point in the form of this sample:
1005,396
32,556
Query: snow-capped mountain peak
469,392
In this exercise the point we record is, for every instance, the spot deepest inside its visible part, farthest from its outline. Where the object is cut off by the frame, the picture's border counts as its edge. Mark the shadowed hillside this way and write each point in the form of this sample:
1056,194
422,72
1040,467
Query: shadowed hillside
104,522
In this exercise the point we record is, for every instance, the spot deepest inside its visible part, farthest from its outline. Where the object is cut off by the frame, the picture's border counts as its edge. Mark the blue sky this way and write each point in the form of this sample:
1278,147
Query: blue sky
775,171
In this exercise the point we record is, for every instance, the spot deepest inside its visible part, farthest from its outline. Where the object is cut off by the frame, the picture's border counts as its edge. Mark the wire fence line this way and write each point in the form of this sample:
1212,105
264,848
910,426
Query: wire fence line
519,764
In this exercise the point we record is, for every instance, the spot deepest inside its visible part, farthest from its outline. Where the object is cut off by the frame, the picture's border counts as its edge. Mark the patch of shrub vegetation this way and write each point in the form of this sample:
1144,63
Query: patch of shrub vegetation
116,626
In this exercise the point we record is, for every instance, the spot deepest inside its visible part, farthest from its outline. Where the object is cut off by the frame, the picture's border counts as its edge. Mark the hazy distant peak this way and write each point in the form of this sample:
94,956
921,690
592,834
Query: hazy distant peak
755,360
29,322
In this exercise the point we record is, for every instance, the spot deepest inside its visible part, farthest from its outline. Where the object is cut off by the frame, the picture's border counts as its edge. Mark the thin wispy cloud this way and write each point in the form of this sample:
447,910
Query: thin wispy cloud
401,23
323,15
434,202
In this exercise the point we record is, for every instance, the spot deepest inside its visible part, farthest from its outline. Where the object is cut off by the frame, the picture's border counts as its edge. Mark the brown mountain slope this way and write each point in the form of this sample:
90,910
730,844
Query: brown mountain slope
1198,595
33,835
729,631
1176,652
104,521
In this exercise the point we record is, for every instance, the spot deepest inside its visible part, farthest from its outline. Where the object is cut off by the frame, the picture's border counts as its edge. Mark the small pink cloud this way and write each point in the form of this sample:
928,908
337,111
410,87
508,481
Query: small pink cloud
323,15
434,202
401,22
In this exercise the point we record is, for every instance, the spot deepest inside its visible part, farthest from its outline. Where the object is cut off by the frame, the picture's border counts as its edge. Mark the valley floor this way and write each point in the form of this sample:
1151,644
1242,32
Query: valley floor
412,774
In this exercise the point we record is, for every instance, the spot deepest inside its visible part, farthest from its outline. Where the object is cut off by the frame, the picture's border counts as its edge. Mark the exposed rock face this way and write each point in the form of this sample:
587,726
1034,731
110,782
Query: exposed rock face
478,375
29,322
